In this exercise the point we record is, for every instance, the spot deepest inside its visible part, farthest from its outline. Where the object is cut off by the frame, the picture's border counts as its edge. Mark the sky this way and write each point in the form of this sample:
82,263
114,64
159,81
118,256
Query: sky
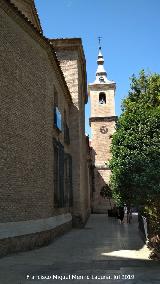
130,31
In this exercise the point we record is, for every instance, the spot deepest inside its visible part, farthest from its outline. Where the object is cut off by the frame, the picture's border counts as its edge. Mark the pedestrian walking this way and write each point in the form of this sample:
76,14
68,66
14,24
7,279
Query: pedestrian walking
121,214
115,211
129,214
125,213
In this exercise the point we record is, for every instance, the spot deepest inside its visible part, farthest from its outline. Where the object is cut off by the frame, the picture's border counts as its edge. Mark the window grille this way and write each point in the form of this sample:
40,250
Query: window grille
58,174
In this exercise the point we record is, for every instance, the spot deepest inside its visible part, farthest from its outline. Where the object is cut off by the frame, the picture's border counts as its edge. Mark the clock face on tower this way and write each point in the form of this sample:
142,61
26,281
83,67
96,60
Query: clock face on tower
103,129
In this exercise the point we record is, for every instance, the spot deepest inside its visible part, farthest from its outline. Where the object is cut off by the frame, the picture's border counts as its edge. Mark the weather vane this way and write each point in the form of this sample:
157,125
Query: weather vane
99,39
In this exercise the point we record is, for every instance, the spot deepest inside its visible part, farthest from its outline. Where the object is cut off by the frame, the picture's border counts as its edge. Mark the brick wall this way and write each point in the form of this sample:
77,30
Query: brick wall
75,76
101,142
101,110
69,65
28,81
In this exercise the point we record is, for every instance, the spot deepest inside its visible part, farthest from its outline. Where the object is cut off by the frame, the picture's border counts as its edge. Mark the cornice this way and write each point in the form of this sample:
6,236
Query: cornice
101,86
33,12
101,167
12,11
37,17
103,119
66,42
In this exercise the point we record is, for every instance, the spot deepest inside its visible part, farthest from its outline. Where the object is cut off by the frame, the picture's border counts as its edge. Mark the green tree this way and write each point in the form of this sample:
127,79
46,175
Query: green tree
135,162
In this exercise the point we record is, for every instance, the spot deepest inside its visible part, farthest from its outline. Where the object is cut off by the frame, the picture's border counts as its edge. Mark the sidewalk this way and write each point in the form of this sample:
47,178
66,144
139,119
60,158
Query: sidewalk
103,249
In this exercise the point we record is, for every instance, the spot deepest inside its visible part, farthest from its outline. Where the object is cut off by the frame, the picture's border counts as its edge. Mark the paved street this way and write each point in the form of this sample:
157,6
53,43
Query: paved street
104,249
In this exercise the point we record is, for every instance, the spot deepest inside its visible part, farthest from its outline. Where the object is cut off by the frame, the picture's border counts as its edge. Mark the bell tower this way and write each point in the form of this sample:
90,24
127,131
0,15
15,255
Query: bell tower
102,122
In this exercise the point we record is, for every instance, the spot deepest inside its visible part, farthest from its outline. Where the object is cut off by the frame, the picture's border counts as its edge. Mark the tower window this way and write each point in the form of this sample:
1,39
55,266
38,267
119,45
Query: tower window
102,98
101,79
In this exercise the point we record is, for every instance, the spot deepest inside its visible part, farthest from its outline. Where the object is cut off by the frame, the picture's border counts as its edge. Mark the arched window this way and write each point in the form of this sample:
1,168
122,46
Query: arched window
102,98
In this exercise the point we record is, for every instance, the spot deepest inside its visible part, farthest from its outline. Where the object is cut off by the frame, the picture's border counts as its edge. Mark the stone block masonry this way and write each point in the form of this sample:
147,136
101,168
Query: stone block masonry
26,235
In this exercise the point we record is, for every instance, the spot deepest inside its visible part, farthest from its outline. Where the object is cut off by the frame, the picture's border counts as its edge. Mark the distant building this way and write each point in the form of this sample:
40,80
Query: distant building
45,176
102,122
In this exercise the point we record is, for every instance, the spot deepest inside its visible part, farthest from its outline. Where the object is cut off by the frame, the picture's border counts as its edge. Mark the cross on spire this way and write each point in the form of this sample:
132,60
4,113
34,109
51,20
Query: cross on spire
99,40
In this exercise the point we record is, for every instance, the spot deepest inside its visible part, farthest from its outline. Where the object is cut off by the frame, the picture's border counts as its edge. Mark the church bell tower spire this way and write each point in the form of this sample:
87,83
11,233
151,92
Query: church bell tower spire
102,122
101,74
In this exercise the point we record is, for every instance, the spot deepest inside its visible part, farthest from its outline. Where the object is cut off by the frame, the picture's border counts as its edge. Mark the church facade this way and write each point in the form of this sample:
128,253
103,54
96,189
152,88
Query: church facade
102,122
44,157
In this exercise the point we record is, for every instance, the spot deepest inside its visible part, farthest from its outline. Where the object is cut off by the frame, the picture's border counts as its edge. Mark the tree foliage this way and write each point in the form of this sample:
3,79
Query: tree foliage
135,162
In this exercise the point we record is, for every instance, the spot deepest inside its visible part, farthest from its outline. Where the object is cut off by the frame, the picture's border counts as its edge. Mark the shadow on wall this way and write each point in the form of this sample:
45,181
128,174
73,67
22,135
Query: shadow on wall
80,168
